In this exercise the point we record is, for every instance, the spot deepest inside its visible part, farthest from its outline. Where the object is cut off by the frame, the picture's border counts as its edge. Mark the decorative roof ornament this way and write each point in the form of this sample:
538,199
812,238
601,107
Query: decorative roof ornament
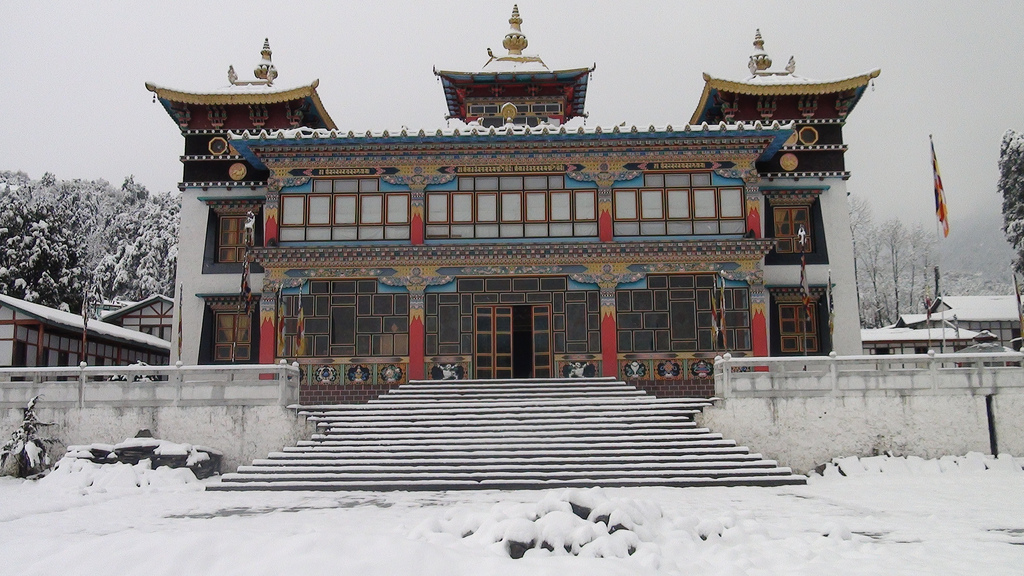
515,42
265,71
760,62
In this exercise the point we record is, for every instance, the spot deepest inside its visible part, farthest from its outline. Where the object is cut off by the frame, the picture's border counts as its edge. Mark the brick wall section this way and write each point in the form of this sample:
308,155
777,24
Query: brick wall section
693,388
318,394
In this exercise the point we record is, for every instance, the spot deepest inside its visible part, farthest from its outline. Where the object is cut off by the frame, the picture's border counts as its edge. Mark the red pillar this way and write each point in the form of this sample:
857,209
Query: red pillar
416,228
754,217
417,333
416,344
268,335
609,338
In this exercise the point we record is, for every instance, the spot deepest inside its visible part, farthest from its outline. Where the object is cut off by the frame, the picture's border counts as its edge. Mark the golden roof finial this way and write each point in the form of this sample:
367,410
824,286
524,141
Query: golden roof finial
759,60
515,40
265,70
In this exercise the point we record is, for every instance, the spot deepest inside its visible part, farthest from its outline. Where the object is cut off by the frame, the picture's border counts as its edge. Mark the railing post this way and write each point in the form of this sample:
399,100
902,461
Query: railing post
933,369
178,380
833,371
723,373
81,384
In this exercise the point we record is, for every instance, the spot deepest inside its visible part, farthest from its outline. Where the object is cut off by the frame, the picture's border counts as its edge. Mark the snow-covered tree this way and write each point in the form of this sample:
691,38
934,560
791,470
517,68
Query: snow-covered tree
63,239
1011,186
892,263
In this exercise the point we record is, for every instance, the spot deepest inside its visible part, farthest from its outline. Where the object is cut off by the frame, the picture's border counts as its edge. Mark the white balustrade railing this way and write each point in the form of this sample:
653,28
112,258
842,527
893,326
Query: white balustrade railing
151,386
897,374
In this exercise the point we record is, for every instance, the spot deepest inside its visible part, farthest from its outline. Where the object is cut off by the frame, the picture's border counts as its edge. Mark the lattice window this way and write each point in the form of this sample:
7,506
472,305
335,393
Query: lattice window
788,220
233,340
345,209
674,314
230,238
511,207
678,204
795,324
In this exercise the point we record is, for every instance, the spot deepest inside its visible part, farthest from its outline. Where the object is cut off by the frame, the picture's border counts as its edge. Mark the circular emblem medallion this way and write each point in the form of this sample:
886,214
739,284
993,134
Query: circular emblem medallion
237,171
788,162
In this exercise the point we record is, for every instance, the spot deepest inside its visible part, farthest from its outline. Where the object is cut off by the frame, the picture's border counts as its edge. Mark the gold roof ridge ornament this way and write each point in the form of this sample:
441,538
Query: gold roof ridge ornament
265,71
515,42
760,62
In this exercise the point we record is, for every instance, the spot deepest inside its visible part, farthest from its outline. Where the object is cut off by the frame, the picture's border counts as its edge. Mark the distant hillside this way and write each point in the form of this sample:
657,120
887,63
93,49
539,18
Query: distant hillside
976,257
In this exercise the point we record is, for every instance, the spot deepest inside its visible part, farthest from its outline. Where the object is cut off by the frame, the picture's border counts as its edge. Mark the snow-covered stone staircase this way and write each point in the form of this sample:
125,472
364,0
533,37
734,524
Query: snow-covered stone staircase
509,434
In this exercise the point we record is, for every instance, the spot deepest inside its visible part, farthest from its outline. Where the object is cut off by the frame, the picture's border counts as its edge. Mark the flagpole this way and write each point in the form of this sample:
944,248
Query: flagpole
1020,312
83,357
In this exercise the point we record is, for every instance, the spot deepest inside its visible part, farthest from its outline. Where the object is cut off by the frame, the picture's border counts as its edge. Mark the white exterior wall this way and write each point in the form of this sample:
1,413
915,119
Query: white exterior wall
241,433
241,411
195,214
804,411
835,216
802,432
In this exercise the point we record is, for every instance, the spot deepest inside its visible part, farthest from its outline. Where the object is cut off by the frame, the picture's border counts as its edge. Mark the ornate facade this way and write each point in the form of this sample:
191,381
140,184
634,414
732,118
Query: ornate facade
514,245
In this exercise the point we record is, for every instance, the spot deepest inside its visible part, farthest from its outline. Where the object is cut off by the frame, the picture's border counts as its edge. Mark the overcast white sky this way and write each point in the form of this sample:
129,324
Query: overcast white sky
73,100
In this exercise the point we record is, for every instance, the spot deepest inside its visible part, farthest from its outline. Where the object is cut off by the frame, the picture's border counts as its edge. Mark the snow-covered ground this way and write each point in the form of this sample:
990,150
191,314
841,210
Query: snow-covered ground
888,516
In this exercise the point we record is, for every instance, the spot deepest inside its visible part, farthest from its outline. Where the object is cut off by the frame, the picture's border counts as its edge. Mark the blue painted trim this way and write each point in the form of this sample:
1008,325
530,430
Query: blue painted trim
447,186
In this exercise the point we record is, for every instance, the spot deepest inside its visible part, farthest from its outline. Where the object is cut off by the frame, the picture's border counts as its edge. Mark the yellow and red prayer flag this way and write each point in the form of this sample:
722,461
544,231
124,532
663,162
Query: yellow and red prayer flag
940,195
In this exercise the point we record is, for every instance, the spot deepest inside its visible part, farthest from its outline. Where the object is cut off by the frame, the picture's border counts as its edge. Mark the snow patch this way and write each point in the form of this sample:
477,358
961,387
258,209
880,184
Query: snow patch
971,463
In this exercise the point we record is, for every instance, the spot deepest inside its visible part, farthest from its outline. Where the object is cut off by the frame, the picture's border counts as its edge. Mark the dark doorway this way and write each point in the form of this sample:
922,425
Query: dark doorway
522,341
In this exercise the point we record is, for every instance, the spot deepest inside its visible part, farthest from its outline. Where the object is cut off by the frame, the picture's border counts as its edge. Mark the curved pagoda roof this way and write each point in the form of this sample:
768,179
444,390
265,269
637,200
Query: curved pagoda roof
765,82
515,68
252,92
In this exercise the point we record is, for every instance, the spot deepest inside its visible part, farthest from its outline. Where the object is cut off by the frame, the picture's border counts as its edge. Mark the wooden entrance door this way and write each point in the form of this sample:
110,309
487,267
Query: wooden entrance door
512,342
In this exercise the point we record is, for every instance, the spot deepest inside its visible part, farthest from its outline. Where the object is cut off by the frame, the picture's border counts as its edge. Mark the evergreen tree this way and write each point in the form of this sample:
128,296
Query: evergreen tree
61,239
1011,186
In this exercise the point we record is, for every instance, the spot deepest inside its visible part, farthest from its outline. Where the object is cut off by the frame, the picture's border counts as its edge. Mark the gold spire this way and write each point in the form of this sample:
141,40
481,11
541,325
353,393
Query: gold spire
515,40
759,60
265,70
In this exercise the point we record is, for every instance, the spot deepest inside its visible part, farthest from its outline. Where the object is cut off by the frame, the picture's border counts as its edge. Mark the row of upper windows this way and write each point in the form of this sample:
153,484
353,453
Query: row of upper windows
511,207
532,206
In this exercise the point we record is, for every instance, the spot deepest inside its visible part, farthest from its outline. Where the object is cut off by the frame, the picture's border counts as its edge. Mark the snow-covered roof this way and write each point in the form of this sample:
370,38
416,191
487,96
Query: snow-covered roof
890,334
259,91
235,94
509,130
531,63
778,84
765,82
979,308
74,322
132,306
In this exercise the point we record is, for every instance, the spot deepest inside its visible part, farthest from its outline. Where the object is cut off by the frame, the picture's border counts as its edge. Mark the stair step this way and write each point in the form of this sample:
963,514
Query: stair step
517,435
446,467
508,411
487,451
637,423
433,485
337,459
520,429
479,475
